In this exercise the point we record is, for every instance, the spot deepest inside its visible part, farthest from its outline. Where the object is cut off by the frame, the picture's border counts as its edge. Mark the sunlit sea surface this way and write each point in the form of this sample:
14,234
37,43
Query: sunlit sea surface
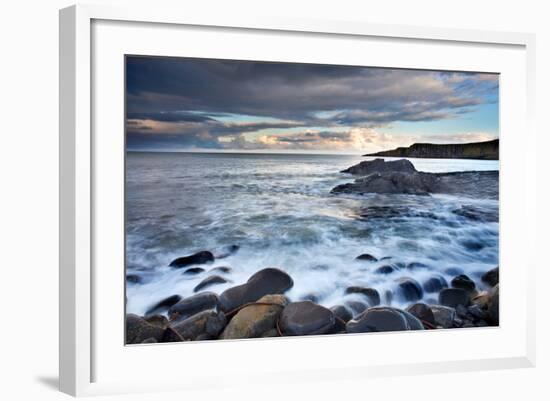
279,210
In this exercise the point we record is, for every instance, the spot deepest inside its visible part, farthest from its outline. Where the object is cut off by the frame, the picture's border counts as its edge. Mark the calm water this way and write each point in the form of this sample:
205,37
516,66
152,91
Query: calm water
279,209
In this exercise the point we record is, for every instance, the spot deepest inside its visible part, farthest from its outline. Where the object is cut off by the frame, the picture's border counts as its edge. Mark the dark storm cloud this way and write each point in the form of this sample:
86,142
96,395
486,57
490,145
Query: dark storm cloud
202,99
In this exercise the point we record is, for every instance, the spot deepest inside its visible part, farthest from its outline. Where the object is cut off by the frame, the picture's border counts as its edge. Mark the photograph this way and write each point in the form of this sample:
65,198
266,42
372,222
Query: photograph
271,199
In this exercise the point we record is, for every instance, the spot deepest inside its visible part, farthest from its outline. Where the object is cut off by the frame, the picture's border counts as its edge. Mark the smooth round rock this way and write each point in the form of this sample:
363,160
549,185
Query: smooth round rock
198,258
371,294
139,330
264,282
464,282
416,265
341,312
409,289
383,318
444,316
306,318
208,282
367,258
356,307
193,270
386,269
164,305
435,284
453,297
490,277
189,306
208,323
222,269
422,312
493,305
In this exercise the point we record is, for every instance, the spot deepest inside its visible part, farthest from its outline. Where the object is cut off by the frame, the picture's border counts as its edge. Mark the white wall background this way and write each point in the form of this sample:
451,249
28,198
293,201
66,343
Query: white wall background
29,186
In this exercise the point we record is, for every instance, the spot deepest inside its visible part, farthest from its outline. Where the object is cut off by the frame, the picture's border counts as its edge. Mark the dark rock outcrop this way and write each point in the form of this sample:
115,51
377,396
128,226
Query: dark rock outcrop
487,150
422,312
464,282
379,166
198,258
444,316
264,282
409,289
306,318
435,284
342,313
193,270
208,282
386,269
138,330
366,257
189,306
383,318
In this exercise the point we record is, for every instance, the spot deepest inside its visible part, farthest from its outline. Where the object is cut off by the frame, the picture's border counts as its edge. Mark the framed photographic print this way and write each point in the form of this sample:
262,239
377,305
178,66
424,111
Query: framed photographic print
264,187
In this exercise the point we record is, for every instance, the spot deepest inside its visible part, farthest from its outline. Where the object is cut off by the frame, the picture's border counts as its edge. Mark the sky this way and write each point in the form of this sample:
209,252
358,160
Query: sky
191,104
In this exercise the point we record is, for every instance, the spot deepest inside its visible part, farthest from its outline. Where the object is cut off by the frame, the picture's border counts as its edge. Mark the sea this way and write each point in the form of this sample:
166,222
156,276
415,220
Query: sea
279,210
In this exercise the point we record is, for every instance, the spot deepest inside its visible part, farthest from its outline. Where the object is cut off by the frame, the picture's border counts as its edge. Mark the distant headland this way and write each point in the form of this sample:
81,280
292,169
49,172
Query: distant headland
487,150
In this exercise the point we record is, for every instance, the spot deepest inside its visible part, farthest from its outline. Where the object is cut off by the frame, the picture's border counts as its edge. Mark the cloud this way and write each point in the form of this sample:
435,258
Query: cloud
183,101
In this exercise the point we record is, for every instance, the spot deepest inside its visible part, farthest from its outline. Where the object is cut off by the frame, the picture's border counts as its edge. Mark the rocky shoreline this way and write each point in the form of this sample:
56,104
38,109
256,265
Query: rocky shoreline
259,308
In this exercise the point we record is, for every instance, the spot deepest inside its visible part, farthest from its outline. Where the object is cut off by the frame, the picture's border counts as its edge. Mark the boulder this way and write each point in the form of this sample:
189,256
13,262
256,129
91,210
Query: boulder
157,320
254,320
386,269
222,269
380,165
409,289
417,265
481,299
208,282
490,277
198,258
227,251
422,312
134,279
306,318
366,257
342,313
171,336
493,306
435,284
383,318
204,325
392,182
270,333
443,316
139,330
264,282
356,307
370,294
193,270
164,305
150,340
464,282
189,306
453,297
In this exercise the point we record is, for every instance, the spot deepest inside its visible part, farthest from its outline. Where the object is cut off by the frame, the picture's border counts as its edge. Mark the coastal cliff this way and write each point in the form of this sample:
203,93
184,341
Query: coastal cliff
476,150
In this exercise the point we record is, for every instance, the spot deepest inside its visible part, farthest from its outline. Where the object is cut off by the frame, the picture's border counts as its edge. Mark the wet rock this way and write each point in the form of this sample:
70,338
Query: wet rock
383,318
270,333
464,282
443,315
150,340
306,318
342,313
481,300
208,323
409,289
157,320
490,277
208,282
371,294
386,269
171,336
164,305
310,297
422,312
198,258
392,182
435,284
194,304
264,282
222,269
254,320
134,279
384,258
474,213
228,251
417,265
380,165
366,257
357,307
139,330
453,297
193,270
477,313
493,305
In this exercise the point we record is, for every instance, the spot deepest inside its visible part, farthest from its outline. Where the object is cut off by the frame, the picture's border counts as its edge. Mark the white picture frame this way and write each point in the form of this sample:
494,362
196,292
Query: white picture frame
84,160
